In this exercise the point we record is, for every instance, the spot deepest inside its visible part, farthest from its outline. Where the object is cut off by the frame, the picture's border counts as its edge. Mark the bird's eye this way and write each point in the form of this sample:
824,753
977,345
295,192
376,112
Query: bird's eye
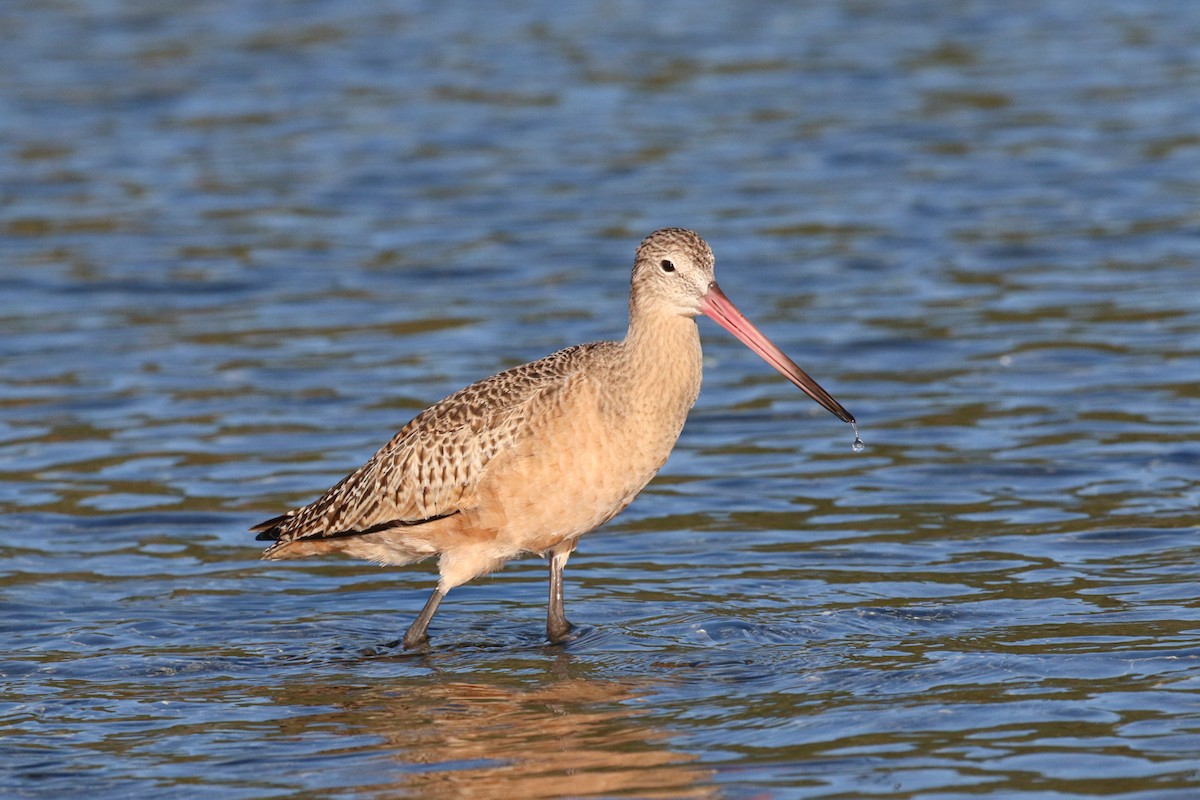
667,266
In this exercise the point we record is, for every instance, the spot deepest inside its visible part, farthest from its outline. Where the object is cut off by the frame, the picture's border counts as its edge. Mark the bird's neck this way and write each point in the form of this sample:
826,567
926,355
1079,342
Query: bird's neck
662,358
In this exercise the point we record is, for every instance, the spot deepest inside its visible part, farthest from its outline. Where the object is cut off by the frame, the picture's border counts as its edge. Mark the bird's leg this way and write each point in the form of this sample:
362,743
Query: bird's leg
416,636
557,627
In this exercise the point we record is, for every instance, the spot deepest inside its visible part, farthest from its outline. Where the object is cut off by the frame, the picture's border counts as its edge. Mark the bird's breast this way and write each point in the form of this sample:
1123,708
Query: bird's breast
590,450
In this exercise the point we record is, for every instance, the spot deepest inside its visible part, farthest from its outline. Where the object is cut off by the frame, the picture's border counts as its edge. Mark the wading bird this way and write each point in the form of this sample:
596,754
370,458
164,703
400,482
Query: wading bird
530,459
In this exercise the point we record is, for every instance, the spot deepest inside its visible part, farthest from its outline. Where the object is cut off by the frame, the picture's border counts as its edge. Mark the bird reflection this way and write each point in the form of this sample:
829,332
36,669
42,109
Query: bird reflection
568,737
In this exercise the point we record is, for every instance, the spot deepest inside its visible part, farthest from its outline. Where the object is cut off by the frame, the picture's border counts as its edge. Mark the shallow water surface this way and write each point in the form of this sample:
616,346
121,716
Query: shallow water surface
241,247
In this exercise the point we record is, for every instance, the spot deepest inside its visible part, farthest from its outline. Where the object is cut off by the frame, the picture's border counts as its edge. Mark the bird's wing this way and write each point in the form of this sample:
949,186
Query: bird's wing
432,467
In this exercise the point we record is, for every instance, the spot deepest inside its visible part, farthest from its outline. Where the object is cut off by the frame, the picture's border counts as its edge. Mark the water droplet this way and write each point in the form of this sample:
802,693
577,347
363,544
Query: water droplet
858,445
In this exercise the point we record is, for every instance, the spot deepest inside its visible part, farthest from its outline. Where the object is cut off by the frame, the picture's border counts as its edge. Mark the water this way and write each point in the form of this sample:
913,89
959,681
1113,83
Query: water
241,245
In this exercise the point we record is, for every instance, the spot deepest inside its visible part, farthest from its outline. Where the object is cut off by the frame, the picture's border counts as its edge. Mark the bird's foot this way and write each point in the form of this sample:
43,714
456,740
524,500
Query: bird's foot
415,641
411,642
558,631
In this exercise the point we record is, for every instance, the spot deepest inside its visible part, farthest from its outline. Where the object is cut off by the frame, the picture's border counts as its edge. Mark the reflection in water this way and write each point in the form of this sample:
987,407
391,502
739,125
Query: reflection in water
570,737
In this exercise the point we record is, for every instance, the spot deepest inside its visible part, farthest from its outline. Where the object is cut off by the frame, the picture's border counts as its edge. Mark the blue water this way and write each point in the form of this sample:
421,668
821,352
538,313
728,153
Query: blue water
242,244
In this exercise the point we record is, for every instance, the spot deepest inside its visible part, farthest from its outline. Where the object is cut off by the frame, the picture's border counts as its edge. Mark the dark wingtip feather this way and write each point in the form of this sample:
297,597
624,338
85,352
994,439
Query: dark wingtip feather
269,529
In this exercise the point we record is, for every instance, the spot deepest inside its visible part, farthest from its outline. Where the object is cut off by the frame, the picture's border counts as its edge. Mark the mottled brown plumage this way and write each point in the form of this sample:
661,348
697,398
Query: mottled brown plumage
532,458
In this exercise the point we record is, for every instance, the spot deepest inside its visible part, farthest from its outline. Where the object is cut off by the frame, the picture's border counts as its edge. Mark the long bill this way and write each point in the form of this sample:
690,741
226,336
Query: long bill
722,310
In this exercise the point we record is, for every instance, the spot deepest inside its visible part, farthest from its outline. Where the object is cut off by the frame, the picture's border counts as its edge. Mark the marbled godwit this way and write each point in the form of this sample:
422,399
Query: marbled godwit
529,460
